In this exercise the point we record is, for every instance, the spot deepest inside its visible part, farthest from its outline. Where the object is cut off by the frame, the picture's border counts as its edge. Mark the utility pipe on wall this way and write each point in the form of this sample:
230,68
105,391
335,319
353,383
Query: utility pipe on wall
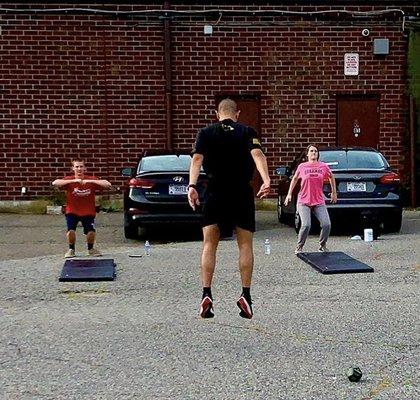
412,113
168,77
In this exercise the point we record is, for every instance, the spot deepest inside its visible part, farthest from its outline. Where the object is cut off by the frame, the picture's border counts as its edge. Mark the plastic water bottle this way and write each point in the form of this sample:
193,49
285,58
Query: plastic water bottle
147,248
267,247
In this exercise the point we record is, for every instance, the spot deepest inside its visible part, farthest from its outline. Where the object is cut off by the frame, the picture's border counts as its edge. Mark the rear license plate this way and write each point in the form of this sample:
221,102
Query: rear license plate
356,186
178,189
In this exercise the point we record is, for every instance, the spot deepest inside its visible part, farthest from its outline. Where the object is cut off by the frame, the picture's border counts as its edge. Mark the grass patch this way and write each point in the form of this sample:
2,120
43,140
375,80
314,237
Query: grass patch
30,207
110,205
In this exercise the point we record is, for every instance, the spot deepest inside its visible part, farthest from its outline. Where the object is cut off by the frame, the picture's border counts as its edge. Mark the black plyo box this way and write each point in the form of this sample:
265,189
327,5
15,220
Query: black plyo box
88,270
334,262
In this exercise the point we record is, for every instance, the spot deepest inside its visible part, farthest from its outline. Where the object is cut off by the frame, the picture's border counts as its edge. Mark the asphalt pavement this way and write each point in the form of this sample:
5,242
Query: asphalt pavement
140,337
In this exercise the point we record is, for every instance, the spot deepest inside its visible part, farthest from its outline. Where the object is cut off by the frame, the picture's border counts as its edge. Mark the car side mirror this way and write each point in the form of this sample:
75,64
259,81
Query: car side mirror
129,172
283,171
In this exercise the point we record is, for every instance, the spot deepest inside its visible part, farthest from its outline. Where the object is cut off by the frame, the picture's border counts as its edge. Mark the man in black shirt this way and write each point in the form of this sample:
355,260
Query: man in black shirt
228,152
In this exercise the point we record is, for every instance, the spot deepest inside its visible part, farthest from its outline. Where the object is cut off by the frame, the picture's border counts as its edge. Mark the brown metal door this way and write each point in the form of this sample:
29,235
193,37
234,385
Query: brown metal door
358,121
250,106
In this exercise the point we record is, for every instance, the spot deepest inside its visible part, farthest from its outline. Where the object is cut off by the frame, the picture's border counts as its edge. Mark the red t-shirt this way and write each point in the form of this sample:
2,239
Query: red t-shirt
312,181
80,199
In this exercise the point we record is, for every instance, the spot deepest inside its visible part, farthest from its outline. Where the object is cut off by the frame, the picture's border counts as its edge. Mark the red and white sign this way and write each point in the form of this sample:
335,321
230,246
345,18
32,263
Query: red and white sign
351,64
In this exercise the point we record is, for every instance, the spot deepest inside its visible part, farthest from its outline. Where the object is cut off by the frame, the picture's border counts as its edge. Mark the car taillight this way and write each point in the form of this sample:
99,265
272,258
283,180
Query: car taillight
326,181
141,183
391,177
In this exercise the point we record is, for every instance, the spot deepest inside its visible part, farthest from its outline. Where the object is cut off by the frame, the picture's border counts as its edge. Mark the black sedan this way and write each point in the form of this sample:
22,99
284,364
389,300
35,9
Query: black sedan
156,192
367,188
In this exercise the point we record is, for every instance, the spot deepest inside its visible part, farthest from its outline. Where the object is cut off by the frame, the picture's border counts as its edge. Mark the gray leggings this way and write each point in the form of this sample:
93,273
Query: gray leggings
321,213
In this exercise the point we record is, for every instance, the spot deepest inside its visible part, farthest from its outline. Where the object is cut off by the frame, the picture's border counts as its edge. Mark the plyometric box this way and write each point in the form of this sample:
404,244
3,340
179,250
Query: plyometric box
334,262
88,270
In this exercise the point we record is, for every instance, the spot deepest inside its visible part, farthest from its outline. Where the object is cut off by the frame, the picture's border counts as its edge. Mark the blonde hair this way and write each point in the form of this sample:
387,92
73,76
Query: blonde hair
227,106
75,160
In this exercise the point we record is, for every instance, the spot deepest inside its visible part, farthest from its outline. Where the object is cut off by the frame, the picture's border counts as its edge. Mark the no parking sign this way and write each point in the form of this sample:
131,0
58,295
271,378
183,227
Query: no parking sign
351,64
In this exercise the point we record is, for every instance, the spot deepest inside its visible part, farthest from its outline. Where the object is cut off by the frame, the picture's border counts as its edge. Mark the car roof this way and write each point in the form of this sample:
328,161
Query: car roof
163,152
350,148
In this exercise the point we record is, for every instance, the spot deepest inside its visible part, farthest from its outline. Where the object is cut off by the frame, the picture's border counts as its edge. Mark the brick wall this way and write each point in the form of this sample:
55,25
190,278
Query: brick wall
93,86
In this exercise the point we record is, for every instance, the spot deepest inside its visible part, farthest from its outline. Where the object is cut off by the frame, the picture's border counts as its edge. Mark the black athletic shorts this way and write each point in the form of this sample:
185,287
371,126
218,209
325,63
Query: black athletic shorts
230,208
88,223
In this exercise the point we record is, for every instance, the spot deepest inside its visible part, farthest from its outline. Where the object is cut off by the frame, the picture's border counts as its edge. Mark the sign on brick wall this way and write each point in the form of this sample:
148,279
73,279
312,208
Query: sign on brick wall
351,64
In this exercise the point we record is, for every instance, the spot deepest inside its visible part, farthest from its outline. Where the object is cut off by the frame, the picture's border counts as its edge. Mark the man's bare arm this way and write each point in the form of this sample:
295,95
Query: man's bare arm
59,183
103,183
262,167
196,163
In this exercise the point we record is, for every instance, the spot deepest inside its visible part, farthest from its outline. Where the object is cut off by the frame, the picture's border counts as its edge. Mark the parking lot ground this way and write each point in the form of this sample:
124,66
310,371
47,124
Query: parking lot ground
140,337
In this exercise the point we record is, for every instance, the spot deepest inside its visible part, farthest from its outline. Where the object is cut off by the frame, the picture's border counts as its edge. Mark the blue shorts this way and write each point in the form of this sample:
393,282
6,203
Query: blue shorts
88,223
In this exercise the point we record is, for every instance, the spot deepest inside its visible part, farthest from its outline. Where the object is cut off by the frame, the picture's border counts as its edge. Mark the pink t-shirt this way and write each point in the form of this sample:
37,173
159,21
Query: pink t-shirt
312,181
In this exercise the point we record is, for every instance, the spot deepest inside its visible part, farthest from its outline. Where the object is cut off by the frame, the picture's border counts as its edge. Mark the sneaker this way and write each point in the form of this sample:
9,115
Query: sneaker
298,249
245,307
206,308
323,249
70,253
94,252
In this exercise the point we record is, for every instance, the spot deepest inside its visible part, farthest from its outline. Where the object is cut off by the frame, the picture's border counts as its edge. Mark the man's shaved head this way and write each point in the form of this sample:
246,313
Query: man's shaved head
227,106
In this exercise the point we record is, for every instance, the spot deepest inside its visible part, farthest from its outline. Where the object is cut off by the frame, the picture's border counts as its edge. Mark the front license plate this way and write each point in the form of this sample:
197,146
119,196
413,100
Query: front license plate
178,189
356,186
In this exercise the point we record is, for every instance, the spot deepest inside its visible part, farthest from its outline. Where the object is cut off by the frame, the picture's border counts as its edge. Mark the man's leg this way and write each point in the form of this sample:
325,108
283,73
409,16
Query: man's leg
71,238
90,239
211,236
89,230
246,265
71,221
246,255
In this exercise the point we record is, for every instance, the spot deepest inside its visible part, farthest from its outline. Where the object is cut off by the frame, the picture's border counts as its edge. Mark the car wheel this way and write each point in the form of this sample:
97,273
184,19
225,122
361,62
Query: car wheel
280,214
298,222
392,222
131,232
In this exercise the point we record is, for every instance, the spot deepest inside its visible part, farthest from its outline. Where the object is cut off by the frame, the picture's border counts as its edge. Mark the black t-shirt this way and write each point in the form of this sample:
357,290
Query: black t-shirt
226,147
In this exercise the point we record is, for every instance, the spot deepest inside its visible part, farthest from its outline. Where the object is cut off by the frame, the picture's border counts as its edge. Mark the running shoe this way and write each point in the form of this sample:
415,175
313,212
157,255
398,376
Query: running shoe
70,253
206,308
94,252
323,249
298,249
246,307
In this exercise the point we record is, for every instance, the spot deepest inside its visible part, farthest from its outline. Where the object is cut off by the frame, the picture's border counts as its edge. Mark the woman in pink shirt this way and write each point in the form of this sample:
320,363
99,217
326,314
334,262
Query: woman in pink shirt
311,197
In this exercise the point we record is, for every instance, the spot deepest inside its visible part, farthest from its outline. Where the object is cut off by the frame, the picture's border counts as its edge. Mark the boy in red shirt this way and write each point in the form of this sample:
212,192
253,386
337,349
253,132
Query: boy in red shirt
80,205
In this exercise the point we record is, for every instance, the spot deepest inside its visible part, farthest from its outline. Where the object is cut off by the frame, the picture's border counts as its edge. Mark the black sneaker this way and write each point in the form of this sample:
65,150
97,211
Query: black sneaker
206,308
246,307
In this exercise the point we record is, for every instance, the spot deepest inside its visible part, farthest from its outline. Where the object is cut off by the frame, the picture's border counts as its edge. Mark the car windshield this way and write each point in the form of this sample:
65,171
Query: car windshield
353,159
165,163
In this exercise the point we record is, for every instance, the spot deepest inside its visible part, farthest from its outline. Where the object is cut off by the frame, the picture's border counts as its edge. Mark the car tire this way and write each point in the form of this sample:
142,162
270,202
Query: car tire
282,216
280,213
297,221
393,222
131,232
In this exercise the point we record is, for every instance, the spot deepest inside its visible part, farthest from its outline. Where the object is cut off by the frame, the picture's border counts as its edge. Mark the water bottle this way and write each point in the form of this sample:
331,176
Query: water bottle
267,247
147,248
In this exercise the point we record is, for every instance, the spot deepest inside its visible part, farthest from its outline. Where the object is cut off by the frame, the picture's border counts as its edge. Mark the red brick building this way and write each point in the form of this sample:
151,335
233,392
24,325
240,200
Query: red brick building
106,81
